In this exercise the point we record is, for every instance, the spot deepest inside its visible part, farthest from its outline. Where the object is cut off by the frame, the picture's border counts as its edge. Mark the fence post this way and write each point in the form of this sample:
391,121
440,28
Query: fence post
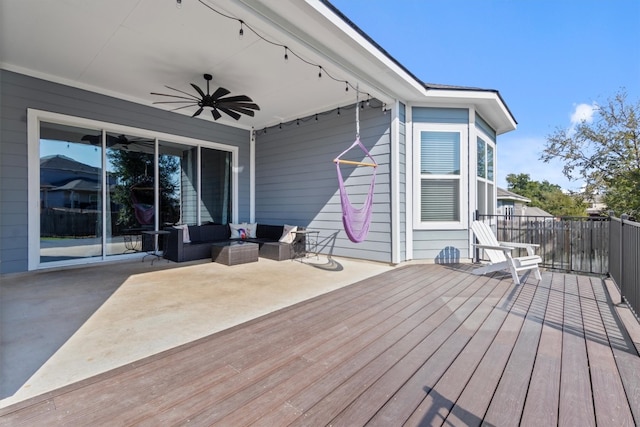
623,218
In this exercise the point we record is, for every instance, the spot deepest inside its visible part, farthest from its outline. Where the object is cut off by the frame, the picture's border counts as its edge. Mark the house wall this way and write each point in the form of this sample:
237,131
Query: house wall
402,184
296,181
442,246
19,92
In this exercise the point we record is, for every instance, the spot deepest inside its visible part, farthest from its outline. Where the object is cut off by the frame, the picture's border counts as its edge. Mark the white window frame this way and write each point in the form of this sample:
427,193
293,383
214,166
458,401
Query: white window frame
463,223
488,141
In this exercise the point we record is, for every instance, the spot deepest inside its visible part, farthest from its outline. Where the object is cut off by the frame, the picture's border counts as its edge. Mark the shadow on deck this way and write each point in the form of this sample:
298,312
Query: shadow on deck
418,345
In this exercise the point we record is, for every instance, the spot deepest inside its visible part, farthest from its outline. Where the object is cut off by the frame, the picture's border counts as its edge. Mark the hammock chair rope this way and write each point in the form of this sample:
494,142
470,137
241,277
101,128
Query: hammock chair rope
356,221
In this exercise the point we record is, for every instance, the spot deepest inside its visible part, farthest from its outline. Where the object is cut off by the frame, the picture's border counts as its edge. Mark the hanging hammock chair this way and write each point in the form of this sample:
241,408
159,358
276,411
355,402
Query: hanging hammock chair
356,221
143,212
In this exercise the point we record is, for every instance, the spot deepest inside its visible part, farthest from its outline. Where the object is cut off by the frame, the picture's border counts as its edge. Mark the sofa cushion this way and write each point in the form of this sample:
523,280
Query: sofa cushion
270,232
213,232
194,233
288,233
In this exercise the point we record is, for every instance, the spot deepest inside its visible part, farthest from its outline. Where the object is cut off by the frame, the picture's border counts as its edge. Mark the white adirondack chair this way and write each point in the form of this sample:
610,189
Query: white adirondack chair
499,254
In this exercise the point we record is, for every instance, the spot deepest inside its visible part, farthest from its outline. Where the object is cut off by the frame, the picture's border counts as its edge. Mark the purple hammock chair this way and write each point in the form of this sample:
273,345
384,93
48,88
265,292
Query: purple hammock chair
356,221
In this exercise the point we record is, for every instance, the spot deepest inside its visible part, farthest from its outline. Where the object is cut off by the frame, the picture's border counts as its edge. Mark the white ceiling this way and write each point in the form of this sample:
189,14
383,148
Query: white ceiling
129,49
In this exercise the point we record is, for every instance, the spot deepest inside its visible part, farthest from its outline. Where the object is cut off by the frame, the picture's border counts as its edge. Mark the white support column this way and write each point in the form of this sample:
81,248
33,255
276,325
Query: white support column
252,176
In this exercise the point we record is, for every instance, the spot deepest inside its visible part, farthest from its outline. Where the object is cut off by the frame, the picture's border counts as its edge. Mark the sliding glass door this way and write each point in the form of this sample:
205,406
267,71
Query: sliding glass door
70,193
101,190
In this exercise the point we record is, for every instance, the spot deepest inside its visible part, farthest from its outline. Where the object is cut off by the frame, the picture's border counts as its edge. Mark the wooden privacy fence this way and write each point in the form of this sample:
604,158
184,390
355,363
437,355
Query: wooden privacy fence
577,244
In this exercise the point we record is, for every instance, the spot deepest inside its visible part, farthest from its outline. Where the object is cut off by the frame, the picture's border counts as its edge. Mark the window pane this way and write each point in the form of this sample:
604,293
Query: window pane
440,153
481,159
440,200
70,193
216,186
482,198
489,162
490,199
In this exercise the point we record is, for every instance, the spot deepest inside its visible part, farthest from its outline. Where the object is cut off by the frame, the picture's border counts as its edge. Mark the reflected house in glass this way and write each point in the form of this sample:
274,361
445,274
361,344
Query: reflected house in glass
84,135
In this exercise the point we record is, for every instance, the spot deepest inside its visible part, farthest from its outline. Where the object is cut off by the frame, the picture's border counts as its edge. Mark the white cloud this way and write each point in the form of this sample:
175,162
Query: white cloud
518,155
582,113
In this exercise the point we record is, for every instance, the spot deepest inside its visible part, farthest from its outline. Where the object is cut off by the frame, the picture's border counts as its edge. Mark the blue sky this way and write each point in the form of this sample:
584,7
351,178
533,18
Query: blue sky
551,60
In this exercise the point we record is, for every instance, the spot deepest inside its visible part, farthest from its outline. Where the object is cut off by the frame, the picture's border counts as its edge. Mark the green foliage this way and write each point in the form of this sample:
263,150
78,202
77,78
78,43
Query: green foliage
546,196
604,153
135,179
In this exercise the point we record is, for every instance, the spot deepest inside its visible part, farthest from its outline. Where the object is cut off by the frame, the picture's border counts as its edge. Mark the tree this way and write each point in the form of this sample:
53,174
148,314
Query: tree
134,172
546,196
605,153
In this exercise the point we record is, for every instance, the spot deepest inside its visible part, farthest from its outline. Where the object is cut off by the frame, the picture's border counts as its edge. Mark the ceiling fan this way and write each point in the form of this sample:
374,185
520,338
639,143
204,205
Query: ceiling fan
233,106
113,140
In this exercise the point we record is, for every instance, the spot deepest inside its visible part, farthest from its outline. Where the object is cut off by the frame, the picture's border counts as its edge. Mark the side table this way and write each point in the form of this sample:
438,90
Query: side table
154,251
310,245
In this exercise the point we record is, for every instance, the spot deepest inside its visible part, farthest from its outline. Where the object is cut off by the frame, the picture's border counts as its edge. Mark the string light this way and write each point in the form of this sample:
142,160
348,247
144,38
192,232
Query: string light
179,4
315,117
287,50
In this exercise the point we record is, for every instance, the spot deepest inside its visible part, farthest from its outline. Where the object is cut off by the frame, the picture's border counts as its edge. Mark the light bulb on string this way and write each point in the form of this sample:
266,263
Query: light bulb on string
319,71
286,55
346,87
179,4
241,32
338,110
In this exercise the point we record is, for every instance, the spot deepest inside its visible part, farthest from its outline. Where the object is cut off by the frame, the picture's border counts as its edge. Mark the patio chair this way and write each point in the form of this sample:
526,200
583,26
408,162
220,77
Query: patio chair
499,254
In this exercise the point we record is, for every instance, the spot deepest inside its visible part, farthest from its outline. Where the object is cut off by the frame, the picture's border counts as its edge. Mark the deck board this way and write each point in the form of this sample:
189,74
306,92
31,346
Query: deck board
419,345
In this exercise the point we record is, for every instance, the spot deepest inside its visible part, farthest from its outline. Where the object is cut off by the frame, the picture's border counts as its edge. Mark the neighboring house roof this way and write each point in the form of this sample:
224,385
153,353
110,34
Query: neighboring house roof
61,162
520,204
532,211
503,194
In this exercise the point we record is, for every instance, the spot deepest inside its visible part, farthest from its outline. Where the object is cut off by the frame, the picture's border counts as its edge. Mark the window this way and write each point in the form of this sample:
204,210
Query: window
485,160
440,181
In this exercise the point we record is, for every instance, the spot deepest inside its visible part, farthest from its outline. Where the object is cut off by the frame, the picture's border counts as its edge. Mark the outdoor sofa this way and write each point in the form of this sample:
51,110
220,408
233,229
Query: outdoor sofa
197,245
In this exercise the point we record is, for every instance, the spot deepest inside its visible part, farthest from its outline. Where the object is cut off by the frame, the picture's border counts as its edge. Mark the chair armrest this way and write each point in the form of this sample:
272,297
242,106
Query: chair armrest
497,248
520,245
530,247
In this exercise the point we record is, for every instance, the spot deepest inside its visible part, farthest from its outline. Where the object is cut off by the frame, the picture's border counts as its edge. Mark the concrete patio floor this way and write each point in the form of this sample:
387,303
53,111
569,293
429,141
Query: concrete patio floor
62,326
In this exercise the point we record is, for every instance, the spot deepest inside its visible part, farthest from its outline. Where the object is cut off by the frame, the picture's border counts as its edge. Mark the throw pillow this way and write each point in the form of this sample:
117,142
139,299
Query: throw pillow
288,233
185,232
251,229
238,231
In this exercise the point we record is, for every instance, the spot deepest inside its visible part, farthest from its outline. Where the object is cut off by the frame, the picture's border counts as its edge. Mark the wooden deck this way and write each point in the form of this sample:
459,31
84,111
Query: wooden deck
419,345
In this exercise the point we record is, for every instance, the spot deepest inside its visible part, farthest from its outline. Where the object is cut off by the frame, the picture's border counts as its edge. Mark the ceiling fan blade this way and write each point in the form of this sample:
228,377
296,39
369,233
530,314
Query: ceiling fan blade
216,114
182,91
233,114
192,98
184,106
190,101
220,92
239,109
198,89
239,105
237,98
93,139
197,113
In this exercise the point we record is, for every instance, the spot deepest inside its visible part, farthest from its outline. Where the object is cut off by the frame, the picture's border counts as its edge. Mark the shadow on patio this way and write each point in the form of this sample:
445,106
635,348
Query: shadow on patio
62,326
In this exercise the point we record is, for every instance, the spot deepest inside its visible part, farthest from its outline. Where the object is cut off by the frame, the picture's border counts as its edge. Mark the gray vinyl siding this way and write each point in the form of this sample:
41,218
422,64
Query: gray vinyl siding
440,115
19,92
484,126
297,184
402,185
441,246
